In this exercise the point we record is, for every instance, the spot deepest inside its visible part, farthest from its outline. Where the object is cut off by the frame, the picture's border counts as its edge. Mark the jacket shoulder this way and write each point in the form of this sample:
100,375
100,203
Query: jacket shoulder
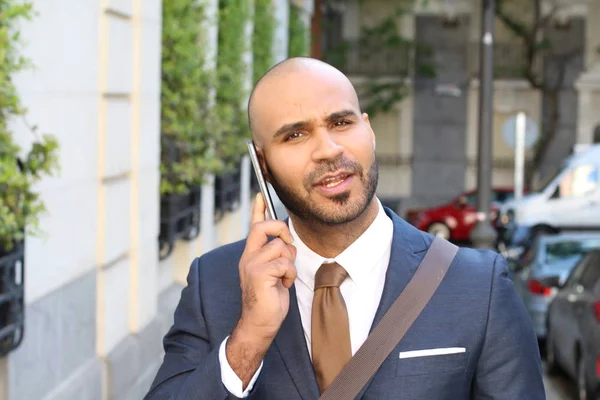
472,263
220,262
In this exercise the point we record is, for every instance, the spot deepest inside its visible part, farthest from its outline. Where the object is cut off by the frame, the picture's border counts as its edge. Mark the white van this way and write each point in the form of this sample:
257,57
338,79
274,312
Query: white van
569,201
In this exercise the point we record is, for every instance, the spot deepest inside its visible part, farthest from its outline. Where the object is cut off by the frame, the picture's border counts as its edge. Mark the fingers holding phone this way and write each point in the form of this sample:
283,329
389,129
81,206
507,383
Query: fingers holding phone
267,271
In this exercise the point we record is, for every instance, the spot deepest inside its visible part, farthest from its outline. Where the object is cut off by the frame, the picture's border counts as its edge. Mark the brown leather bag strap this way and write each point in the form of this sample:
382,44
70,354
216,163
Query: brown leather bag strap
394,324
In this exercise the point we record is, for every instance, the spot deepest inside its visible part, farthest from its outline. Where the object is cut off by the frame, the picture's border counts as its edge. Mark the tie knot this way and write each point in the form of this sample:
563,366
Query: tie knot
330,274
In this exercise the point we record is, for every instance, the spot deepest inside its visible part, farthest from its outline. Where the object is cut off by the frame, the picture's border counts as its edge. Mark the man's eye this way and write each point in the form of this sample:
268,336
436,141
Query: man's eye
342,122
292,136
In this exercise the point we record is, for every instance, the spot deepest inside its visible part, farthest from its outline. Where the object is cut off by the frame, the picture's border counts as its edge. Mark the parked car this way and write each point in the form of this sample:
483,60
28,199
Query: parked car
456,219
569,201
573,343
549,255
520,242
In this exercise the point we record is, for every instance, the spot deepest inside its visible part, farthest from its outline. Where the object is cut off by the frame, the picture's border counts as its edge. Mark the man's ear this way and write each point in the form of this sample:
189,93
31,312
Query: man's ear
365,118
263,165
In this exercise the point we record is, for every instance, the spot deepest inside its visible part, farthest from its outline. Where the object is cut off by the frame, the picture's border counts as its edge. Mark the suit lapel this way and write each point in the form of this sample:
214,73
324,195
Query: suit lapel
291,344
408,250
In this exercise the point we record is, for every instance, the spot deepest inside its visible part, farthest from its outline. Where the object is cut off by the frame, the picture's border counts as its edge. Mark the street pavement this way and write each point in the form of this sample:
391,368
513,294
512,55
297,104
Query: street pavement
559,388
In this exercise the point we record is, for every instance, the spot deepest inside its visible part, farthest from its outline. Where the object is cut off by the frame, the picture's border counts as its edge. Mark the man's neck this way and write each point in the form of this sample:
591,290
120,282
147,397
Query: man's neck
329,241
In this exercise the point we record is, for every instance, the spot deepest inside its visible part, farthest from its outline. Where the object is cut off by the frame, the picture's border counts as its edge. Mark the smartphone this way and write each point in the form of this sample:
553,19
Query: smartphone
261,181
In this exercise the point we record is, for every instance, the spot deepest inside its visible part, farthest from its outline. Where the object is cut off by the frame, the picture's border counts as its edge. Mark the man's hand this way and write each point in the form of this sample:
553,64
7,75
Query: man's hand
266,273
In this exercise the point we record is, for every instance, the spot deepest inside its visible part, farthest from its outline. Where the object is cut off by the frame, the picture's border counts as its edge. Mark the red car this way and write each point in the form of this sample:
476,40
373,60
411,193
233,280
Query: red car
456,219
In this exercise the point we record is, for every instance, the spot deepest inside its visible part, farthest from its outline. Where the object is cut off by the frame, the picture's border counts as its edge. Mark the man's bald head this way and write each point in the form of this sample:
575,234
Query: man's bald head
298,71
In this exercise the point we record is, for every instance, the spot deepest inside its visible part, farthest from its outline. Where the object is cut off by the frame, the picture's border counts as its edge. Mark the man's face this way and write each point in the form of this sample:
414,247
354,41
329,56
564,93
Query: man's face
318,151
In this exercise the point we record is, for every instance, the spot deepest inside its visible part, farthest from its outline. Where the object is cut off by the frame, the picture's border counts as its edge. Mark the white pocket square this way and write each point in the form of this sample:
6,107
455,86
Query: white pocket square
431,352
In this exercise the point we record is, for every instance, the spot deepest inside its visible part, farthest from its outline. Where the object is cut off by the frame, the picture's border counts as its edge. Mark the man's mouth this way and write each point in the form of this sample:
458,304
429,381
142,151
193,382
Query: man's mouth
331,181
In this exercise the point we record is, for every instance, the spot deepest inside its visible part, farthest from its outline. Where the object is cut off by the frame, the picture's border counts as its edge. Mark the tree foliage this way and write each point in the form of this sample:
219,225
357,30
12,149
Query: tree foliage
380,95
231,75
531,30
188,121
20,204
202,109
384,38
298,33
262,38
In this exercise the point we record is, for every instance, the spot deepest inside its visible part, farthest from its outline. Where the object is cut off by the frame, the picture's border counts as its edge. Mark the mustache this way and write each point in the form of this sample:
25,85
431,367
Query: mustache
326,167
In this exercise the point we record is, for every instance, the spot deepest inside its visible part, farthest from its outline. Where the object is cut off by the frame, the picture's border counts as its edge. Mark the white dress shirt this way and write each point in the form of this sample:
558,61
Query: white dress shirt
366,261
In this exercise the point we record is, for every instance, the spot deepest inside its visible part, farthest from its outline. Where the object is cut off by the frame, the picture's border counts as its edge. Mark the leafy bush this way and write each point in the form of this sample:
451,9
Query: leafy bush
231,75
188,121
20,204
298,33
262,39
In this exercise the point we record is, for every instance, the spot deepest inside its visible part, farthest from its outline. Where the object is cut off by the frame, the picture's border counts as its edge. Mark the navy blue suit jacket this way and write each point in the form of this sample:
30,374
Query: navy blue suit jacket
475,307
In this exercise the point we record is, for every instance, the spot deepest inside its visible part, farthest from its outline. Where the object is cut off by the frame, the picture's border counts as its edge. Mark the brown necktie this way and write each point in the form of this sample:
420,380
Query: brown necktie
330,336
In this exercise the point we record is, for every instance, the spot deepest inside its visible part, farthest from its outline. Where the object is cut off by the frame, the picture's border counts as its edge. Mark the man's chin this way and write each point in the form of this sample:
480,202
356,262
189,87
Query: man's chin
338,213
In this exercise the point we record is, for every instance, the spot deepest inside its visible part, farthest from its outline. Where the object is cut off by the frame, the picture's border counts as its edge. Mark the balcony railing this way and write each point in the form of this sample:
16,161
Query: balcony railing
371,59
227,192
510,61
12,310
379,60
179,219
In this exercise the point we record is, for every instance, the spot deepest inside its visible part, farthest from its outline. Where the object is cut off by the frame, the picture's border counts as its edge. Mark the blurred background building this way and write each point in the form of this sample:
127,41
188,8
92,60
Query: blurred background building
427,142
102,280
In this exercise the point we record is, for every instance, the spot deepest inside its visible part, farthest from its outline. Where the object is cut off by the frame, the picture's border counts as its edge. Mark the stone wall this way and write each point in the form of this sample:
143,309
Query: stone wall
440,119
91,278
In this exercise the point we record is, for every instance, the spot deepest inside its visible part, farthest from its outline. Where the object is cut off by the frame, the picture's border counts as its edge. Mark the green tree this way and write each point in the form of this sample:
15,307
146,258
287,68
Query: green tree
20,204
380,95
188,121
231,75
298,33
531,29
262,38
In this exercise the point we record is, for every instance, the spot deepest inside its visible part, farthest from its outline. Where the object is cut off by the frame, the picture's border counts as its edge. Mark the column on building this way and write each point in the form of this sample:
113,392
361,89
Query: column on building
207,212
588,84
405,134
128,331
280,42
245,175
57,357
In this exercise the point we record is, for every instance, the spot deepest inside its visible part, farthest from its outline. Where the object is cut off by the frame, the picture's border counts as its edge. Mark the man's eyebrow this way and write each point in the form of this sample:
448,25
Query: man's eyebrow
289,128
301,124
339,115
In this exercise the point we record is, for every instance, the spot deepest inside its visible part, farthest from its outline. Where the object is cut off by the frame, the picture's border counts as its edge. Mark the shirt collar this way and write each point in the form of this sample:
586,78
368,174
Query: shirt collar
358,259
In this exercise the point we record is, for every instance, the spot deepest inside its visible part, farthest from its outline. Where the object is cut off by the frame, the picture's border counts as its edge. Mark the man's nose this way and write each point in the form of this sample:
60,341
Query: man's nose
327,147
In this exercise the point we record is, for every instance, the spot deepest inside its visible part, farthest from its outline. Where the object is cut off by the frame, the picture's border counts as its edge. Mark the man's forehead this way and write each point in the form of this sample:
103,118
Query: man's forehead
302,97
300,92
302,110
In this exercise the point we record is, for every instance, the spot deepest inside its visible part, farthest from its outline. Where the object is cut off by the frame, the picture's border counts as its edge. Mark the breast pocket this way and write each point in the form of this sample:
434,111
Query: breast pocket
439,376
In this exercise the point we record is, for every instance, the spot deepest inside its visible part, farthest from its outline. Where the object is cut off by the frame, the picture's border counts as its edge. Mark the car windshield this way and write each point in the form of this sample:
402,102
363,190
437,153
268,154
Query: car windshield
557,252
547,181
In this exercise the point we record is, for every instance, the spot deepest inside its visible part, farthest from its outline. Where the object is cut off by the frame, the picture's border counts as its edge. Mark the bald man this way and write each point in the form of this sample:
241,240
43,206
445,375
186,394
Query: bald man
278,314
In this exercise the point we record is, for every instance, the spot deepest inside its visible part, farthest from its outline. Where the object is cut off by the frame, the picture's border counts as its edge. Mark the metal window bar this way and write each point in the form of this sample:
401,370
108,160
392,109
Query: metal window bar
227,192
12,305
179,219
